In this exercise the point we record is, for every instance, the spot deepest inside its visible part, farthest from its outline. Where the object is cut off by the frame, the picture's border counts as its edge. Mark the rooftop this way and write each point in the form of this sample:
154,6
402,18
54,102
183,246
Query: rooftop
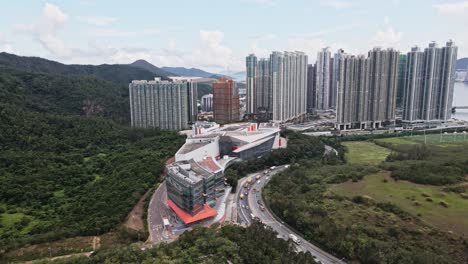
188,147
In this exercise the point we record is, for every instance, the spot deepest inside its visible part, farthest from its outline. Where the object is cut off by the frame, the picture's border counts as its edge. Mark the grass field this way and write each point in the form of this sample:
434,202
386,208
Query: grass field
436,139
406,195
363,152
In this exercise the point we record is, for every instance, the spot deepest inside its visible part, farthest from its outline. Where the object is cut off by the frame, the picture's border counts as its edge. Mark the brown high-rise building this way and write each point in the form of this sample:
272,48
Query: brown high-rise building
225,101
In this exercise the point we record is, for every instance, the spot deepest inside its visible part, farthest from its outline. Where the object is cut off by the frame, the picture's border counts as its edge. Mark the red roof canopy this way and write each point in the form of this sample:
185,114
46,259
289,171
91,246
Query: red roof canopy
187,218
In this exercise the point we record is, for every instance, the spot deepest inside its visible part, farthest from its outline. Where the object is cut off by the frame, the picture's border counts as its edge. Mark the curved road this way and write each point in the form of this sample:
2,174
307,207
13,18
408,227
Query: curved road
255,206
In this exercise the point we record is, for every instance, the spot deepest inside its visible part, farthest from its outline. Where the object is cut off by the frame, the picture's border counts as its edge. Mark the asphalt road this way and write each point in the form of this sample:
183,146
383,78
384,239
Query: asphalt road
255,204
157,211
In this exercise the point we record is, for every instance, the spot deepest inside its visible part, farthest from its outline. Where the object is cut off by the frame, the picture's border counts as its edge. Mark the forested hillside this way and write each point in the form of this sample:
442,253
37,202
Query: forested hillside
63,95
122,74
69,163
142,64
360,207
228,244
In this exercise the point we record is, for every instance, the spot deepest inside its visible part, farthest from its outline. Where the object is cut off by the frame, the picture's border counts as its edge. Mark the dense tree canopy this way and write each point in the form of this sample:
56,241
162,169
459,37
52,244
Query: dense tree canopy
256,244
67,164
365,231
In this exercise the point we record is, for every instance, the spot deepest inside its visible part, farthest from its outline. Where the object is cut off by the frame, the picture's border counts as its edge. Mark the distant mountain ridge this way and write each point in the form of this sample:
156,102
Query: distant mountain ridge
182,71
462,64
142,64
117,73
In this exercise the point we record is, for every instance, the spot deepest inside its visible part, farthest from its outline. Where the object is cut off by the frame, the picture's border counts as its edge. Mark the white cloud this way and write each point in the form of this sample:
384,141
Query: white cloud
387,38
99,21
457,14
337,4
255,44
211,51
112,32
45,30
5,46
455,8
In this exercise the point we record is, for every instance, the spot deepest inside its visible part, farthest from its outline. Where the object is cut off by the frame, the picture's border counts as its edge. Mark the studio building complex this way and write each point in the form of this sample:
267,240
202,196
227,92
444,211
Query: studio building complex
196,180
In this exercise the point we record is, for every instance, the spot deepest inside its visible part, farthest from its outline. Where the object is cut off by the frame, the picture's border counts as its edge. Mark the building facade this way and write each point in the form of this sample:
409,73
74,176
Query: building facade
289,85
366,89
162,104
352,92
251,74
382,86
429,83
277,86
263,93
335,78
311,89
192,185
322,79
226,105
207,103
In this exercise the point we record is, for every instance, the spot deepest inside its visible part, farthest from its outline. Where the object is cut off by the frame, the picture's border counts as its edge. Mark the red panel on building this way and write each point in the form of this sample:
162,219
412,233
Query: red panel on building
210,164
187,218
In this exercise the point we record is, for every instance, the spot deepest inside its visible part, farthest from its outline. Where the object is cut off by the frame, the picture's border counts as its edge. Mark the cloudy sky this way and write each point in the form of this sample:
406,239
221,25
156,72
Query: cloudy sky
216,35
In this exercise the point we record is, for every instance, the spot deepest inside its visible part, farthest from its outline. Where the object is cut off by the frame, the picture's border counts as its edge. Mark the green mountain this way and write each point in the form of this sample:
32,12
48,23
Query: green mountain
69,163
142,64
116,73
462,64
63,95
192,72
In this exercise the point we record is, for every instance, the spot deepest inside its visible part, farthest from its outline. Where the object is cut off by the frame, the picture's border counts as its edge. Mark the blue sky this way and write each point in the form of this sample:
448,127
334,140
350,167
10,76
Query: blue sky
216,35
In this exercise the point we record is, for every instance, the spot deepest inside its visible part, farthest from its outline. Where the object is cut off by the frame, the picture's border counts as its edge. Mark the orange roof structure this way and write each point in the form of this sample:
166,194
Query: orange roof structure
187,218
210,164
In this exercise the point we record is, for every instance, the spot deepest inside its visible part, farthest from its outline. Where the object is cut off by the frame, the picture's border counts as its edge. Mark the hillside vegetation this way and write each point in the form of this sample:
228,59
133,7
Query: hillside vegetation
359,212
228,244
117,73
69,164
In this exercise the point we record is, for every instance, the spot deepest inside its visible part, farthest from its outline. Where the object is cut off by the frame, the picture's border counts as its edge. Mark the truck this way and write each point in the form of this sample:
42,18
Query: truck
295,239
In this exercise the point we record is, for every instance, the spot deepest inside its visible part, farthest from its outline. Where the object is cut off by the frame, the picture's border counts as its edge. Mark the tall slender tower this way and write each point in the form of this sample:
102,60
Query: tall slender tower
429,83
322,79
263,93
311,89
251,68
335,77
288,73
383,83
413,90
352,92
